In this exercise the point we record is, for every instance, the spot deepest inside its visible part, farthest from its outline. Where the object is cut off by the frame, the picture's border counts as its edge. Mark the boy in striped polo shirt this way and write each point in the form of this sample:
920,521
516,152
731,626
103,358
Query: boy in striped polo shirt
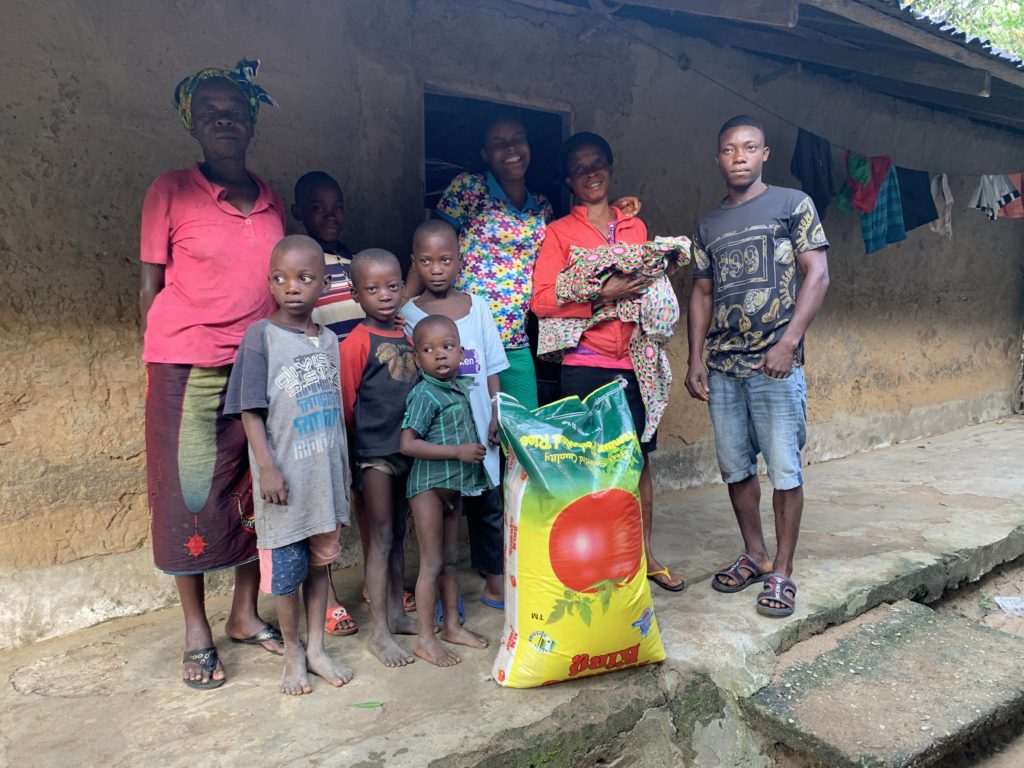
439,433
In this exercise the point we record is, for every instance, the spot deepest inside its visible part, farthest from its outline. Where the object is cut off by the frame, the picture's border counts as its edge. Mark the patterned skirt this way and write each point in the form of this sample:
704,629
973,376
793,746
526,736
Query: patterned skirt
197,471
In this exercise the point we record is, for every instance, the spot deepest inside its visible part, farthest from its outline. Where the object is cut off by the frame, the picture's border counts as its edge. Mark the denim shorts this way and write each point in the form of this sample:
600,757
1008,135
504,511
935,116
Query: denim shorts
284,569
759,414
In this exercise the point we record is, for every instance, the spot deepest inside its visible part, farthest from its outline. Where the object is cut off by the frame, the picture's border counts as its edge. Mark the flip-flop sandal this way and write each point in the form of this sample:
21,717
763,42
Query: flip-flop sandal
780,589
743,572
439,612
334,619
269,634
653,576
409,602
206,659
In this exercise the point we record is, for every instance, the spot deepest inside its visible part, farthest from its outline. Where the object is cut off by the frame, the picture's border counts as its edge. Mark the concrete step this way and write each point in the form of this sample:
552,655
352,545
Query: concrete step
899,686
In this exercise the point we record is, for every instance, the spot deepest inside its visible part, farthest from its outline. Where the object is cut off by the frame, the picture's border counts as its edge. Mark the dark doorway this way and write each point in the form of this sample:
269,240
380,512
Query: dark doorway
453,129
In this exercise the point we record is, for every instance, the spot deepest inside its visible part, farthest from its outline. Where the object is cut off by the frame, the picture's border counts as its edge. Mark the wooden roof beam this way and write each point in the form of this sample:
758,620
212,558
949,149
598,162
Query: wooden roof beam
771,13
946,77
993,110
922,38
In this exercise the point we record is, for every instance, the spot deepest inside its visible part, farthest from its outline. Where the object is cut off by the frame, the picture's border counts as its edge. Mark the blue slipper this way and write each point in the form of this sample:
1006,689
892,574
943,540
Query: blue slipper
439,612
499,604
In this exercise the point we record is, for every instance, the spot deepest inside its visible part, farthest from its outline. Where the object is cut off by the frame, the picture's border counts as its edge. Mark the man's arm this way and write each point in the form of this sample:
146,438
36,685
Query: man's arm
698,320
778,362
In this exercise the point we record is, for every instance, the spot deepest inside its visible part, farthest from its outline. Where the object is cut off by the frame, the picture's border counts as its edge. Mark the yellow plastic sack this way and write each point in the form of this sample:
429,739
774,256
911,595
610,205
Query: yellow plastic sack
577,602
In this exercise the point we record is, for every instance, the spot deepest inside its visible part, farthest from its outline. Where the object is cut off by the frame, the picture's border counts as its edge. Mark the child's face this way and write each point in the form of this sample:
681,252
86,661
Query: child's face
506,150
437,262
221,121
377,288
297,280
322,213
439,352
590,175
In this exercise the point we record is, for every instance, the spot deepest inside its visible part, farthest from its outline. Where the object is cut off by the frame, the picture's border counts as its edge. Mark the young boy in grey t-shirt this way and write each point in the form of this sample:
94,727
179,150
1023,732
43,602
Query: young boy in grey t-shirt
286,385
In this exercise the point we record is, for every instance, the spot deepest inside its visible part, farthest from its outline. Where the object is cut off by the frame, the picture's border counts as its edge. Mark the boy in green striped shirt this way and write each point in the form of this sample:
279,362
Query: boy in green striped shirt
439,433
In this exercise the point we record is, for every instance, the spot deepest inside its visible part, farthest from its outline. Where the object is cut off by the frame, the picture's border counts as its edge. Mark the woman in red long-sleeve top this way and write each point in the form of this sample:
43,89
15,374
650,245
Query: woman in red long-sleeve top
602,354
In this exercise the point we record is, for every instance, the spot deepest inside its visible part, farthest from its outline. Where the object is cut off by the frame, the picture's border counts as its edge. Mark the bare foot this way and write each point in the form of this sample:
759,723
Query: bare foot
295,681
390,653
463,636
322,665
405,625
431,650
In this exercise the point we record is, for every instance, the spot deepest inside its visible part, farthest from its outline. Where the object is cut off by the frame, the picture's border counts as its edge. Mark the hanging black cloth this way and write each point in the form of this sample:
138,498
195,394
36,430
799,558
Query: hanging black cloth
916,198
812,165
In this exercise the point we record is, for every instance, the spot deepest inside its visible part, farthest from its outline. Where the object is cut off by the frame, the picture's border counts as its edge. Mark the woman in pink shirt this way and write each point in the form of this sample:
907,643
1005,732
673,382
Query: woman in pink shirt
207,234
603,351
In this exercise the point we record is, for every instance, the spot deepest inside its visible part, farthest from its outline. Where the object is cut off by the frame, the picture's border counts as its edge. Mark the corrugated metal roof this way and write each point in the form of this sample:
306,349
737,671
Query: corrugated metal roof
940,28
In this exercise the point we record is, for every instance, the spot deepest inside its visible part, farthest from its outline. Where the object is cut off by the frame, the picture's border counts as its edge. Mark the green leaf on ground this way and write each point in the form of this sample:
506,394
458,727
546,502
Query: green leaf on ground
368,705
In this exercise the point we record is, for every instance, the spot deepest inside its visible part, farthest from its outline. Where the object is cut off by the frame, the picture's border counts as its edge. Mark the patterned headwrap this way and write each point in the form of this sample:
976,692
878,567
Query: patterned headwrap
242,76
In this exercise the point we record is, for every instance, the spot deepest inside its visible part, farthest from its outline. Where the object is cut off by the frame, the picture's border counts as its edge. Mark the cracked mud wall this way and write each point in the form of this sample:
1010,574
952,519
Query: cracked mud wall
919,338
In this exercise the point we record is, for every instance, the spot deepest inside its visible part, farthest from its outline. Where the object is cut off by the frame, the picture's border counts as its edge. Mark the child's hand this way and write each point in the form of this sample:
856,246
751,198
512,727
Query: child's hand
492,431
399,322
471,453
273,487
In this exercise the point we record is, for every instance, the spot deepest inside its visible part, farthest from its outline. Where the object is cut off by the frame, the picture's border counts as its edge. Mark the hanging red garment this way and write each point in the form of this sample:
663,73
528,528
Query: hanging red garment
864,177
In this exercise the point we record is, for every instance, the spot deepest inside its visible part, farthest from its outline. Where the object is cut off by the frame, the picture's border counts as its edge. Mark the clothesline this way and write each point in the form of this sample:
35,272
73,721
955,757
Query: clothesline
626,31
892,200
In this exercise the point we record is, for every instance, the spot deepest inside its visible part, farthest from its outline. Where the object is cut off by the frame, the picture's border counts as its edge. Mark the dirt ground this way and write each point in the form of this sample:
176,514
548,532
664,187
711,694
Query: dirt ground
977,602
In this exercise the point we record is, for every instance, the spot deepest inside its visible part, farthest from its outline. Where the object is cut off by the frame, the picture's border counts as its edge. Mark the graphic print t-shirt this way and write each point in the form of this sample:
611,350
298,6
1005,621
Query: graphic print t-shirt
749,252
293,381
378,369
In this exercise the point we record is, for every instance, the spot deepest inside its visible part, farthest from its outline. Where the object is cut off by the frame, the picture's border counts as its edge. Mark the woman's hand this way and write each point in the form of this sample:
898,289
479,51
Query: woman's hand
620,286
629,205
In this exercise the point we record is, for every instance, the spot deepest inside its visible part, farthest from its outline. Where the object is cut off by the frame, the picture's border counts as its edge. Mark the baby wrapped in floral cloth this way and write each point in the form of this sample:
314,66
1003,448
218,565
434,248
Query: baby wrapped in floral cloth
655,313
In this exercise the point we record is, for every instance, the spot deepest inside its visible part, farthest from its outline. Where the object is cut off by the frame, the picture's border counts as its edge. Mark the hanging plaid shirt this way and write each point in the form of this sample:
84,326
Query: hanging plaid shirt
499,244
440,413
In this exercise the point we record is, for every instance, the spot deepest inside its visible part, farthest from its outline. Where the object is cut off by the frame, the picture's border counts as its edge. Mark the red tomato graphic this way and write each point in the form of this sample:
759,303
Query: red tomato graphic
598,536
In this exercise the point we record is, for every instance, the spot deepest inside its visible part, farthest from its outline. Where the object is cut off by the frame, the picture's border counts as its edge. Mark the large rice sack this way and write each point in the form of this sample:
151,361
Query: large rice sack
577,602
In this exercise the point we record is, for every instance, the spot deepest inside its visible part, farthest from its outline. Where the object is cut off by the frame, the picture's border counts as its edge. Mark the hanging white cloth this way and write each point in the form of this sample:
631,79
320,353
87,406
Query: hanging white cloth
992,194
943,198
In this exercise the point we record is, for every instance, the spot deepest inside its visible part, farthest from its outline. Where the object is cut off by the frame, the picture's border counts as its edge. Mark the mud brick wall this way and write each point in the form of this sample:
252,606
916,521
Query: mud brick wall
917,339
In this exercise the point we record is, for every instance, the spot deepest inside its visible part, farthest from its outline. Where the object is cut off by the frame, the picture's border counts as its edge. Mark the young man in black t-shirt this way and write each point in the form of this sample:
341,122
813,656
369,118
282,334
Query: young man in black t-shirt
752,308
